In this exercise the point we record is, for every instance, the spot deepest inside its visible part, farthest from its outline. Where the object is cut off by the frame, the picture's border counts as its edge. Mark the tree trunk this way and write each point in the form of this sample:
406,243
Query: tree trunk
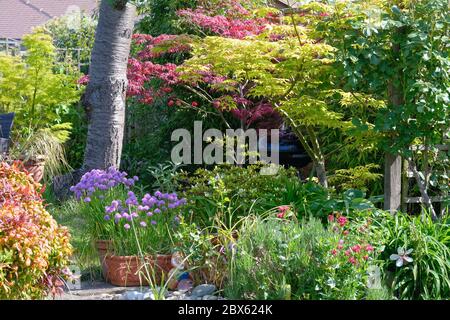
106,91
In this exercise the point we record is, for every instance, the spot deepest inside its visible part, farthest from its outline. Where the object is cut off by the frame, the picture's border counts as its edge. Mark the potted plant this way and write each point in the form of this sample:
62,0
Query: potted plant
96,190
141,238
132,237
42,151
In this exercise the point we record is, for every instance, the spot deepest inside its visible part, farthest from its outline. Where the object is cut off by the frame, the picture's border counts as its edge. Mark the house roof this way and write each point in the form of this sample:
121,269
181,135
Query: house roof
18,17
285,4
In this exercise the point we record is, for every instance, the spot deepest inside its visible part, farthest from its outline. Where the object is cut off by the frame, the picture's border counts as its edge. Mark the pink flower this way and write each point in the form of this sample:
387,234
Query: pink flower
347,253
345,232
352,260
369,248
342,221
330,218
334,252
282,211
356,248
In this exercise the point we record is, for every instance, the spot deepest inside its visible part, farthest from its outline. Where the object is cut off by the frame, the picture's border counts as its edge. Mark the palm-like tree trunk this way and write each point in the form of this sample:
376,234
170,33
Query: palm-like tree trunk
106,92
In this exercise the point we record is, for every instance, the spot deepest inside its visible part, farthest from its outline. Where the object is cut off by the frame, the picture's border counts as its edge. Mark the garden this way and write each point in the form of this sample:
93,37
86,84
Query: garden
144,168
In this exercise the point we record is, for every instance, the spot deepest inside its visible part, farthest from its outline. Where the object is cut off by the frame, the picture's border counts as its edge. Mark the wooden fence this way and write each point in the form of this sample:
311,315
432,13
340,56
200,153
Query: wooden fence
396,184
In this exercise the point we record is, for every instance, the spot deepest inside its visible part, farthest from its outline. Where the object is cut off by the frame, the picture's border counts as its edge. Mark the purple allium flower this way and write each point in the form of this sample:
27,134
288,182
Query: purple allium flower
153,222
132,200
107,217
100,180
127,226
157,211
110,209
143,224
149,214
136,178
161,203
87,199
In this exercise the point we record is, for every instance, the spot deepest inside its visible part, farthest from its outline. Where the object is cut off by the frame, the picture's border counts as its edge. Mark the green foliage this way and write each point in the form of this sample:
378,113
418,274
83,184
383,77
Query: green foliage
232,192
274,260
45,144
281,259
204,259
427,276
396,49
74,31
311,199
160,16
165,176
31,88
355,178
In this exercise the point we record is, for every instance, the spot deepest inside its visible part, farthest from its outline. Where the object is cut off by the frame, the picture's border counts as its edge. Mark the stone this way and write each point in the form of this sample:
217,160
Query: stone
209,297
204,290
133,295
179,293
148,296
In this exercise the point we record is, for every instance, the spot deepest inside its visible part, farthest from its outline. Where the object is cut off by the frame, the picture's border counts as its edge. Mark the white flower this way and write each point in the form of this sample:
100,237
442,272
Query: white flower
401,257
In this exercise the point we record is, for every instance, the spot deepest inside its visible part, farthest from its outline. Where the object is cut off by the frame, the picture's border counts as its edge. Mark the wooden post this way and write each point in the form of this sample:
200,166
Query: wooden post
405,185
392,182
393,163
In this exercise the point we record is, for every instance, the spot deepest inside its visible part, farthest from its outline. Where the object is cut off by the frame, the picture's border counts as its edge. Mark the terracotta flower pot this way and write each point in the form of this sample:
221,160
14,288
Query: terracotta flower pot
128,271
35,168
104,247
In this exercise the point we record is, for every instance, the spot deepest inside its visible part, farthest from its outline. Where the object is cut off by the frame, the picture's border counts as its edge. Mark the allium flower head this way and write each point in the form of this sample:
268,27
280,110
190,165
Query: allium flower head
95,180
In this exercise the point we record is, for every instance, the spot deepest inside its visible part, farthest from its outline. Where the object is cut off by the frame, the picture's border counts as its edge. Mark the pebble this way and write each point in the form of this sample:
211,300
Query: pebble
133,295
201,292
149,296
204,290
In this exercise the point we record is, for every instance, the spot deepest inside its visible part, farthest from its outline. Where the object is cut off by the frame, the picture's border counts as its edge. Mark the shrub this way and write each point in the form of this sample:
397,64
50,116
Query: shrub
233,191
281,259
203,253
15,186
34,250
